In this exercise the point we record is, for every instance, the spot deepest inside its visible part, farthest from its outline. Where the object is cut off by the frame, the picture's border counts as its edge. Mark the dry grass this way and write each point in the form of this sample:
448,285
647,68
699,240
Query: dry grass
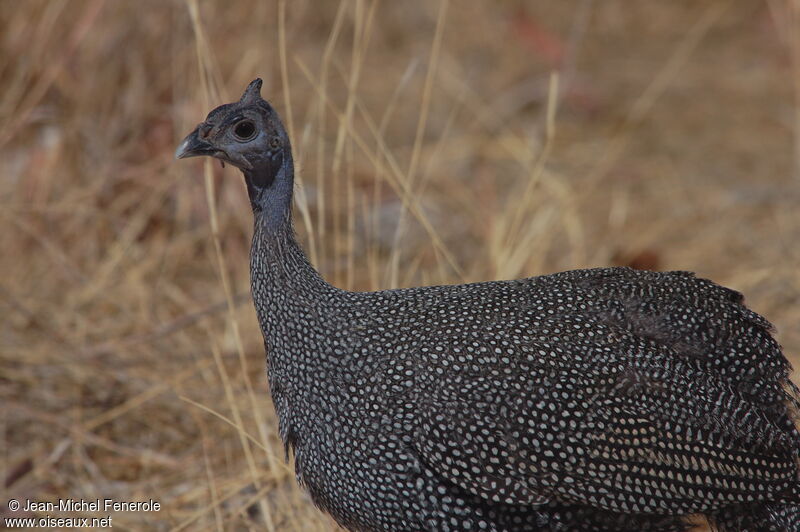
430,150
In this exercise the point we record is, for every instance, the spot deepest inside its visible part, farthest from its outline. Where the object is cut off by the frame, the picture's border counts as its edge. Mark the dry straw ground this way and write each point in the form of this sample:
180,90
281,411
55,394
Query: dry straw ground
434,145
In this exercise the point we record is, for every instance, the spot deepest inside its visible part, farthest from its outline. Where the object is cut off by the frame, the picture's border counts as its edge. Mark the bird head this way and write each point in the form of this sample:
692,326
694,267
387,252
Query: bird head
247,134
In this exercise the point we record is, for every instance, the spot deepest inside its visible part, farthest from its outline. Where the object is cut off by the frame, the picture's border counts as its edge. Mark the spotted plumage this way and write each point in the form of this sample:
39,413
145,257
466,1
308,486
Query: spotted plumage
602,399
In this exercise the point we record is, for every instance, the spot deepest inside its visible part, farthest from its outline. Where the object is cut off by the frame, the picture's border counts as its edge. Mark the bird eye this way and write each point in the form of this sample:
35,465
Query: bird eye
244,130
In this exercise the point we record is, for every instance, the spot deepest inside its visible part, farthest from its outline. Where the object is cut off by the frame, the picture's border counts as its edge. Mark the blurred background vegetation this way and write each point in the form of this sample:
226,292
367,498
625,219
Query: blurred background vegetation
435,143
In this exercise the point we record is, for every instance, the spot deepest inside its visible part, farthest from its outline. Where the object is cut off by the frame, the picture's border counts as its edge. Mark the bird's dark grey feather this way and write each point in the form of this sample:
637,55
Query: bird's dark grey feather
525,404
602,399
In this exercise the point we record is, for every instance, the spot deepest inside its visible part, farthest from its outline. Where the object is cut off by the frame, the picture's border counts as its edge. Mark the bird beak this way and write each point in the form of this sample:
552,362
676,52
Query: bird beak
194,146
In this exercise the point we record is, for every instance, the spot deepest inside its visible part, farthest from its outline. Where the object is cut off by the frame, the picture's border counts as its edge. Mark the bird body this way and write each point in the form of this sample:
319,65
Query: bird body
601,399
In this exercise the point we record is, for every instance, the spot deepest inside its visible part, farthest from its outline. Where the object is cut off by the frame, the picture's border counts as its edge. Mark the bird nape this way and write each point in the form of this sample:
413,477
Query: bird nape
601,399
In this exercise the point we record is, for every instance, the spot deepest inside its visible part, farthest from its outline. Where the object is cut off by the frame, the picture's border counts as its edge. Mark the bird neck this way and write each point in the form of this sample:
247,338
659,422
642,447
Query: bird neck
279,260
278,257
270,188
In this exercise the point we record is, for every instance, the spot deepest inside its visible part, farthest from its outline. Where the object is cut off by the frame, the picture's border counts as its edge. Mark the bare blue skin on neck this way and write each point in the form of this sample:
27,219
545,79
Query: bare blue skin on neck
270,188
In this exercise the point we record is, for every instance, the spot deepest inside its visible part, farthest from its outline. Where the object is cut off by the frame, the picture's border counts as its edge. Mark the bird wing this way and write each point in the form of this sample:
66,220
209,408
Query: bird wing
603,403
628,439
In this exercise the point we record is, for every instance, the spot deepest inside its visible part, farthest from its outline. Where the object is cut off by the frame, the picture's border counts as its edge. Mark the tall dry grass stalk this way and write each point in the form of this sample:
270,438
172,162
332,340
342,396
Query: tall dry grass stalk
435,143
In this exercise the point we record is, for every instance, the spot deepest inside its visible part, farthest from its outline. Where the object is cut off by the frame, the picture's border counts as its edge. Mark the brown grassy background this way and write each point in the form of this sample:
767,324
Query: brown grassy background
131,365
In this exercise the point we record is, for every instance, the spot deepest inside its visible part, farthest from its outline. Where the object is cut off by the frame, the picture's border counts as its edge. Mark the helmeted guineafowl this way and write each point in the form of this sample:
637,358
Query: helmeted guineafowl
602,399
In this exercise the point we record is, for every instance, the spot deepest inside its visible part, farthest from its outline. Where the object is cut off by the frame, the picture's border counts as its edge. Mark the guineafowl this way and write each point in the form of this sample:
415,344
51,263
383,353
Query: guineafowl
600,399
